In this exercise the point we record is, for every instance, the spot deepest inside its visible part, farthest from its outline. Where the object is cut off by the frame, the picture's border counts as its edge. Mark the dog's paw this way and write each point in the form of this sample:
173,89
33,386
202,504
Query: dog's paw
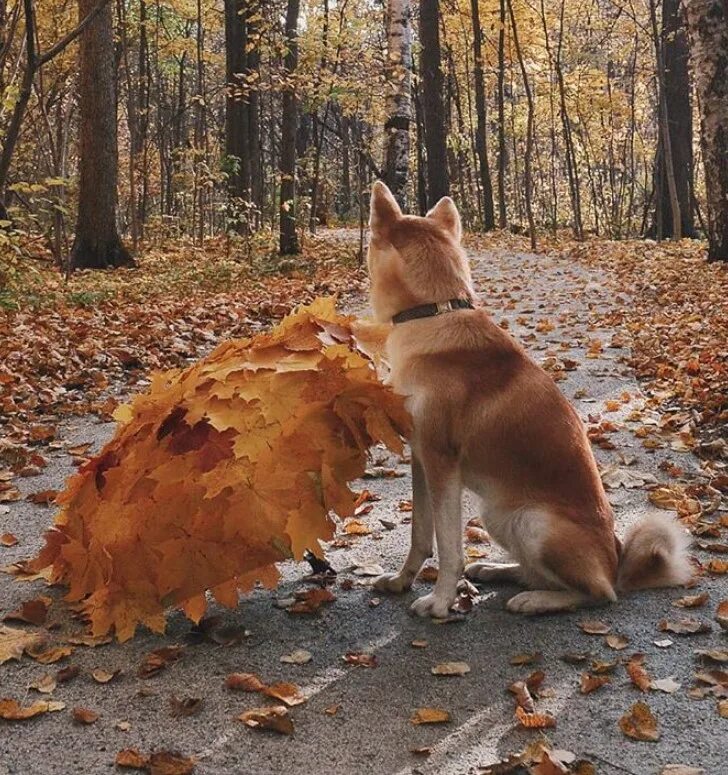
535,602
395,583
432,605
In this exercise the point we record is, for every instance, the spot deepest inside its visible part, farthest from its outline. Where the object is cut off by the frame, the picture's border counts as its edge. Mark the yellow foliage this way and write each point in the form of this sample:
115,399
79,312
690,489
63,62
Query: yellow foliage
221,470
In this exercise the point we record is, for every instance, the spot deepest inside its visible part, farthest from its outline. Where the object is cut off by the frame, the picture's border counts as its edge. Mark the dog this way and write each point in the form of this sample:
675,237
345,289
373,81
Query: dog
489,419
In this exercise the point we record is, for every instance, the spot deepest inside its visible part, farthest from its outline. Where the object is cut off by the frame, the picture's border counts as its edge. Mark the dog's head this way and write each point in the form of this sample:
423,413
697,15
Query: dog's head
414,260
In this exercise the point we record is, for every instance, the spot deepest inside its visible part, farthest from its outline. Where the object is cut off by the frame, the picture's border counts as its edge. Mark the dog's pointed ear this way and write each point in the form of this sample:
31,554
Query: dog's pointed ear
384,210
446,215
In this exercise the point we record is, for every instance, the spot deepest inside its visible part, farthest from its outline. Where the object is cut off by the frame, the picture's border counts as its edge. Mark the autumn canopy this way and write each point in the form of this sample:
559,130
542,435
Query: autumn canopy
221,470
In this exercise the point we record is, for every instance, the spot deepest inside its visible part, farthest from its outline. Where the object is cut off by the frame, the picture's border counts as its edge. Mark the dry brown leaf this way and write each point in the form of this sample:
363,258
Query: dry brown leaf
639,723
84,716
692,601
638,674
66,674
170,763
102,676
8,539
430,716
451,668
13,642
523,696
723,708
667,685
534,720
185,706
45,684
594,627
297,657
721,614
132,759
288,693
590,683
686,626
31,611
244,682
47,655
11,710
360,659
526,659
617,642
681,769
274,717
159,659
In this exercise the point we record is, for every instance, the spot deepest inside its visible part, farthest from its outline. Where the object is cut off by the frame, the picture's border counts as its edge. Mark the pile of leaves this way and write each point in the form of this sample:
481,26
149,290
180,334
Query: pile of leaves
221,470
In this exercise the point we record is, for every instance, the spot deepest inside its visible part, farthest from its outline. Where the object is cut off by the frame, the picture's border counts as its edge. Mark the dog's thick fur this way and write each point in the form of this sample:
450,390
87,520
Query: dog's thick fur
488,419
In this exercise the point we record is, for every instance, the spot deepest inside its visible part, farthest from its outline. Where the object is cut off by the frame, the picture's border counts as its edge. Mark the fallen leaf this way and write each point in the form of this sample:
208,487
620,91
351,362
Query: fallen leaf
686,626
667,685
13,642
297,657
170,763
681,769
244,682
526,659
102,676
723,708
534,720
721,614
185,706
288,693
715,655
523,696
45,684
430,716
617,642
638,674
275,718
84,716
639,723
8,539
692,601
360,659
11,710
419,644
66,674
131,758
451,668
590,683
158,660
368,570
31,611
47,655
594,627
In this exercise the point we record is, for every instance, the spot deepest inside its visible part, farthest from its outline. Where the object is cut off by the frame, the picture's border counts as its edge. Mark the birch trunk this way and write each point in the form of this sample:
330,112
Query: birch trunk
399,98
708,29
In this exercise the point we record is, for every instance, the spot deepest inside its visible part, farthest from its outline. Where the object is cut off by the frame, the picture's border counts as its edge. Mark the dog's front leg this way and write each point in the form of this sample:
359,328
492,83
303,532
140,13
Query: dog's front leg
445,489
421,545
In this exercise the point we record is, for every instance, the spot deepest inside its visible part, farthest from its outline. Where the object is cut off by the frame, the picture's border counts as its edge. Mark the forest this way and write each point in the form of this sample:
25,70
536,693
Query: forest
129,121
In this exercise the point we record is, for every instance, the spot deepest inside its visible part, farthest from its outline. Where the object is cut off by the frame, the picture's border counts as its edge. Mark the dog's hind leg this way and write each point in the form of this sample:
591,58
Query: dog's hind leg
422,531
496,572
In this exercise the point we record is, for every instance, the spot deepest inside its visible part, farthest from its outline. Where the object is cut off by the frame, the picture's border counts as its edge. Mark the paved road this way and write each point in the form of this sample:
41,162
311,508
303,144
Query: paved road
370,732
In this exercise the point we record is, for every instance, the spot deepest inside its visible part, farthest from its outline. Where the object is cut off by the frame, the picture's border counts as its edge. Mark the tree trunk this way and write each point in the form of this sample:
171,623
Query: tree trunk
399,98
288,244
434,113
255,151
97,244
237,123
675,53
481,144
502,151
708,28
665,141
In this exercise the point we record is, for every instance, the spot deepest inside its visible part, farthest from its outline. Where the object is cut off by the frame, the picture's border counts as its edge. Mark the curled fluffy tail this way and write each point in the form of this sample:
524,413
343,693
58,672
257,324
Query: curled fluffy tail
654,554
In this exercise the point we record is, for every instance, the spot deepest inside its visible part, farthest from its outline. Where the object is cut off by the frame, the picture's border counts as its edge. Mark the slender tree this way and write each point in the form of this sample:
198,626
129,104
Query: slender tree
679,115
708,28
399,98
481,143
288,243
97,244
237,120
438,182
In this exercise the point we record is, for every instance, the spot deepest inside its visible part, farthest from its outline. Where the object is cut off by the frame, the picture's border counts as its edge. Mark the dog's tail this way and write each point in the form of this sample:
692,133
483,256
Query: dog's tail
654,554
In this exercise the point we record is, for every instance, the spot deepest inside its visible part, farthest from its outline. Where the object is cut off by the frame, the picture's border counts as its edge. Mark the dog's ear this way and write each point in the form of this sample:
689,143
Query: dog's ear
384,210
446,215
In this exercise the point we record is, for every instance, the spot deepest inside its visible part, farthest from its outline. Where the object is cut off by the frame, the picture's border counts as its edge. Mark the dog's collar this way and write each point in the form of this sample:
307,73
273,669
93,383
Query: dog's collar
431,310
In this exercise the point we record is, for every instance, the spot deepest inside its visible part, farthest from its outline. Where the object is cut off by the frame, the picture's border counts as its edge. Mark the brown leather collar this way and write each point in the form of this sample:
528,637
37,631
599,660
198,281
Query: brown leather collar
431,310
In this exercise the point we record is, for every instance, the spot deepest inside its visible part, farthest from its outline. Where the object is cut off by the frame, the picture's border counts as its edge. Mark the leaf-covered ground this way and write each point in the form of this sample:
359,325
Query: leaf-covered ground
362,686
